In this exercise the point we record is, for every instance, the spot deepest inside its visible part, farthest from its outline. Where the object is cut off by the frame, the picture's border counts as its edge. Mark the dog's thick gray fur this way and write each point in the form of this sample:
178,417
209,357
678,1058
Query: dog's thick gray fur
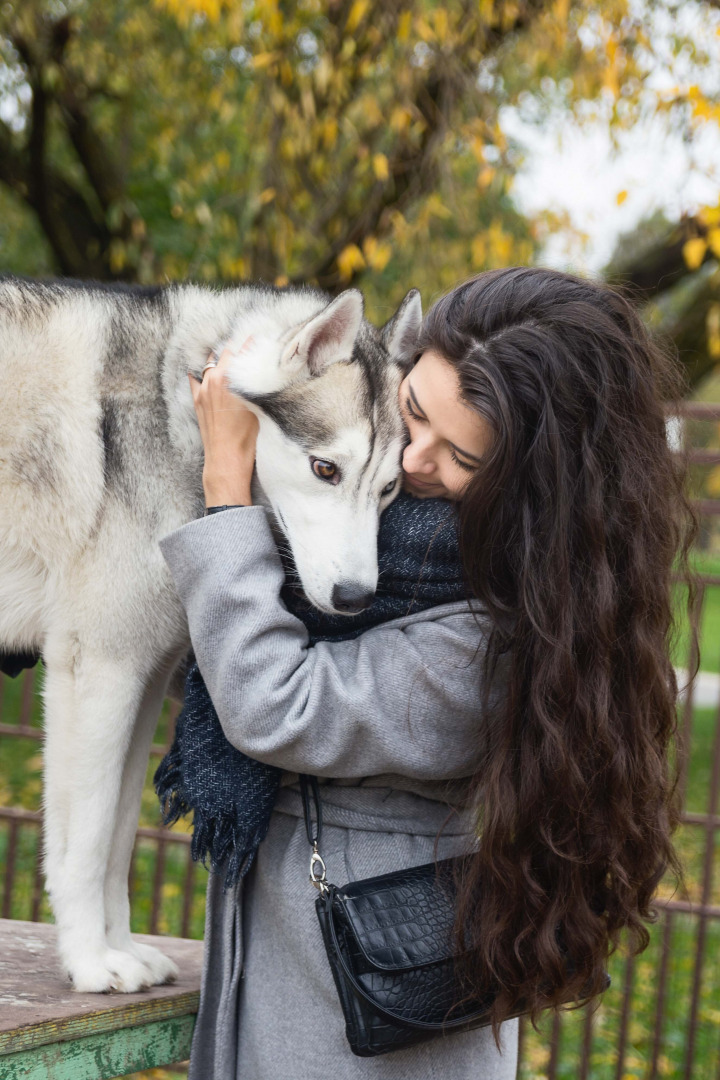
100,455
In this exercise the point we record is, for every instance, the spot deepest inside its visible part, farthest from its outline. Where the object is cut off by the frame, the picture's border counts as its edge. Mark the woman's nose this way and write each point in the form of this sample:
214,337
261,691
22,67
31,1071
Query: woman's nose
417,457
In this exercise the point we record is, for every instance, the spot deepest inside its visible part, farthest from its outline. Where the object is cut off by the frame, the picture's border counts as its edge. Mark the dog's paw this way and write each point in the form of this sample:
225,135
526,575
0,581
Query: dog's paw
162,968
110,971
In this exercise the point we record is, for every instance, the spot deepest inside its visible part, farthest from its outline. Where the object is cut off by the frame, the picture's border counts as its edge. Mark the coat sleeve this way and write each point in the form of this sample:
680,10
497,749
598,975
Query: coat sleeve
400,698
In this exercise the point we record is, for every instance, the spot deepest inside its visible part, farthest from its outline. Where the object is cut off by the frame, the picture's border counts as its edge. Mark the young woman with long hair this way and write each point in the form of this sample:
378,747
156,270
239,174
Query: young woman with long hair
543,710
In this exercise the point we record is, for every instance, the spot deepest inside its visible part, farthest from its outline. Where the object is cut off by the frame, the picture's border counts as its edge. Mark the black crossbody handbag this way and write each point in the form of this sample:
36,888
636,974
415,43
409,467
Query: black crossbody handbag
389,940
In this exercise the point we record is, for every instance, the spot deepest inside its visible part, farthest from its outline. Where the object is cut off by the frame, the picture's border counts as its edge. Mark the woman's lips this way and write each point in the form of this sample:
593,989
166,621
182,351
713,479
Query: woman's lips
419,483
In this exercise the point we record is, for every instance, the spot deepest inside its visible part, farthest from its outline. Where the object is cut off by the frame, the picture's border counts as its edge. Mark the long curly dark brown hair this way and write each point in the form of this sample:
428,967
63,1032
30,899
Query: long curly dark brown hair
570,531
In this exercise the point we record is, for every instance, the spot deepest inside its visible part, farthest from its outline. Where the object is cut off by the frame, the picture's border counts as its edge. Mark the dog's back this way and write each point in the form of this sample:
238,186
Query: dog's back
80,369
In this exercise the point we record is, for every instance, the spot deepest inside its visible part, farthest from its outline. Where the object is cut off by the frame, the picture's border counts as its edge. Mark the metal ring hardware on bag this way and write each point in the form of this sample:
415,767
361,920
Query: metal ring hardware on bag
318,876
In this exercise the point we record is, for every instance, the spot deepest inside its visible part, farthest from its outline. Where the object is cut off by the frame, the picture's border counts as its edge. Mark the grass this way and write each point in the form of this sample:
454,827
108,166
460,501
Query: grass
20,785
709,622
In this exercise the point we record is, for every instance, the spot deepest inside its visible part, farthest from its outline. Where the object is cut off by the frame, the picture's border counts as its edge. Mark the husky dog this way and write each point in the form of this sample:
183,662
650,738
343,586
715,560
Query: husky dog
100,455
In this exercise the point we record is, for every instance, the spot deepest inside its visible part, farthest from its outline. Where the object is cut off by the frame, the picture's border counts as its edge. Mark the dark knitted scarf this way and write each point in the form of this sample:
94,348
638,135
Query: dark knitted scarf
231,795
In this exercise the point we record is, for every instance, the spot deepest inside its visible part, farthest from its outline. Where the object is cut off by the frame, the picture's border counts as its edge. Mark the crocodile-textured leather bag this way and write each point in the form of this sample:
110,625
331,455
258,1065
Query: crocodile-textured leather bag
389,940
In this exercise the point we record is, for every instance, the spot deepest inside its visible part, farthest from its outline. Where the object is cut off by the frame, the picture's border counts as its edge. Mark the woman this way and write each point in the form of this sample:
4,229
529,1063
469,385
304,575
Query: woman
535,405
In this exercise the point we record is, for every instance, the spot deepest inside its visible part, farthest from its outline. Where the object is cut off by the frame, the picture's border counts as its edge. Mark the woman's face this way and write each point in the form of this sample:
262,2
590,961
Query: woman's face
447,437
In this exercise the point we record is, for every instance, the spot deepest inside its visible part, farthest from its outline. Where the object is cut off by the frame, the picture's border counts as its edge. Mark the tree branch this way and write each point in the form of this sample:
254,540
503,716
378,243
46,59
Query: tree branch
661,266
414,169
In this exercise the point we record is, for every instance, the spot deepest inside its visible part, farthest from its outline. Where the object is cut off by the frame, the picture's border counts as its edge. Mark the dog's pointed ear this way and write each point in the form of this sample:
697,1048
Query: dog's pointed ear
329,336
400,333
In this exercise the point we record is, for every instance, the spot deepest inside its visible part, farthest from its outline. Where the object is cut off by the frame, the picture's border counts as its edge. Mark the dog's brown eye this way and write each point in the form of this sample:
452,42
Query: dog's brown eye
326,470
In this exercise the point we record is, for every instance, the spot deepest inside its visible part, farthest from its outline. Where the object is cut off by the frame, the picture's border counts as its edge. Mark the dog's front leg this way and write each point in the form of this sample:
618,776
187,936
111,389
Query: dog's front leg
117,904
108,696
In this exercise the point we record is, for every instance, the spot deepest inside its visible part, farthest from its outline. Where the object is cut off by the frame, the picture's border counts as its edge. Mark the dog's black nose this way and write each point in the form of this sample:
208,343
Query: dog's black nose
351,597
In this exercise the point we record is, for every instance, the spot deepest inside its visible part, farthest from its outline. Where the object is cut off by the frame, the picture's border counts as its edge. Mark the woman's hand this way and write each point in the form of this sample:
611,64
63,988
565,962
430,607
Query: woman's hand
229,434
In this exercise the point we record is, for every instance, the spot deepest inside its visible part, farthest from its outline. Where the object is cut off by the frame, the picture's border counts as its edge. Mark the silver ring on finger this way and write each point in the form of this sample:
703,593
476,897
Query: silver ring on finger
210,364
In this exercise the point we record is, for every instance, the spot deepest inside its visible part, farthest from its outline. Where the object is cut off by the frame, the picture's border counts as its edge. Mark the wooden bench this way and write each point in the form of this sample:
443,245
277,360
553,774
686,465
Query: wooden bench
47,1032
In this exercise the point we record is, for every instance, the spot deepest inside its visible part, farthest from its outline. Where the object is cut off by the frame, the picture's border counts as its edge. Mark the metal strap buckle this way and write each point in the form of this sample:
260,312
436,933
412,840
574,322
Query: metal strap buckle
317,871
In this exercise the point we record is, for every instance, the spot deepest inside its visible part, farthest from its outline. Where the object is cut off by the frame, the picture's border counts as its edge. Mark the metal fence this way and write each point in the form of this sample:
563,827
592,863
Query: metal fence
652,1023
20,719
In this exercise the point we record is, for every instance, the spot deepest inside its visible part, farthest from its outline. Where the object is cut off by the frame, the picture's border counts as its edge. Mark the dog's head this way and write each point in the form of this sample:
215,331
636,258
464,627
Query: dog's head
331,438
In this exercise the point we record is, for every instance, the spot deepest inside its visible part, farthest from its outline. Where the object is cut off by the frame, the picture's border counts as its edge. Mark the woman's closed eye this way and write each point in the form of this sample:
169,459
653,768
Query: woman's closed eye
462,464
411,412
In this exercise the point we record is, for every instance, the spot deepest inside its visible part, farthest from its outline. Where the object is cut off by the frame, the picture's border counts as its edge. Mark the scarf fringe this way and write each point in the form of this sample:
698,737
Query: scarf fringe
219,839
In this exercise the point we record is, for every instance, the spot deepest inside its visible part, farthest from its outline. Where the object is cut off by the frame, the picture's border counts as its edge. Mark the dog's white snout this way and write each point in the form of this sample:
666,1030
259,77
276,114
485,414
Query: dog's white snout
350,597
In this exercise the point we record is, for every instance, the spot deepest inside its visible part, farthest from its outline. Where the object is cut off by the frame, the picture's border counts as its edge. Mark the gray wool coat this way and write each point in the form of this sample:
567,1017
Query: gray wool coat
388,721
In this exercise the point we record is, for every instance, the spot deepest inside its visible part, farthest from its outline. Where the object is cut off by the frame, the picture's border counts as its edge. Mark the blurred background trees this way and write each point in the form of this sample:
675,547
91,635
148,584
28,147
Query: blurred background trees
331,142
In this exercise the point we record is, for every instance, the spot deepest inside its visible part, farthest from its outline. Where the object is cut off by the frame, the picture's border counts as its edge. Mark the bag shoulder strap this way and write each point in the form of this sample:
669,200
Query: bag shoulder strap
309,784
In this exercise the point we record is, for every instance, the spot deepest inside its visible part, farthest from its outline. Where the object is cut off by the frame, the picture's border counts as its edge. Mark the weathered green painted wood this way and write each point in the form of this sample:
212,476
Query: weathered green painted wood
106,1055
137,1014
39,1007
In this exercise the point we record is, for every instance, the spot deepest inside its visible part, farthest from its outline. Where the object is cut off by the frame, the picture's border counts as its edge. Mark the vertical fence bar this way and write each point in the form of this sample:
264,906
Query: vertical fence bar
188,891
13,824
26,704
37,893
588,1023
554,1046
685,732
158,878
521,1040
624,1017
660,1005
707,879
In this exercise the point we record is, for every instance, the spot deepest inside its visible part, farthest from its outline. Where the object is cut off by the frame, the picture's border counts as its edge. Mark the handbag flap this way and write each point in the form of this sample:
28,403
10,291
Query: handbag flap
404,919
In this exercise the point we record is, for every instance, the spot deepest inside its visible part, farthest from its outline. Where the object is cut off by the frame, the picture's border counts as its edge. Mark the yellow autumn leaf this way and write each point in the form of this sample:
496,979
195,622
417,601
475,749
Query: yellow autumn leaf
694,252
712,326
118,255
349,260
231,268
712,483
403,26
621,197
329,132
424,29
441,24
400,118
264,59
281,280
185,10
267,196
376,255
478,250
437,207
710,215
357,14
713,241
381,167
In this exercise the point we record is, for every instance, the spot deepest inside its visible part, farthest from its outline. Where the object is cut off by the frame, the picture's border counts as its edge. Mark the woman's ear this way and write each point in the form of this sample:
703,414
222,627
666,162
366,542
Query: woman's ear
400,333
